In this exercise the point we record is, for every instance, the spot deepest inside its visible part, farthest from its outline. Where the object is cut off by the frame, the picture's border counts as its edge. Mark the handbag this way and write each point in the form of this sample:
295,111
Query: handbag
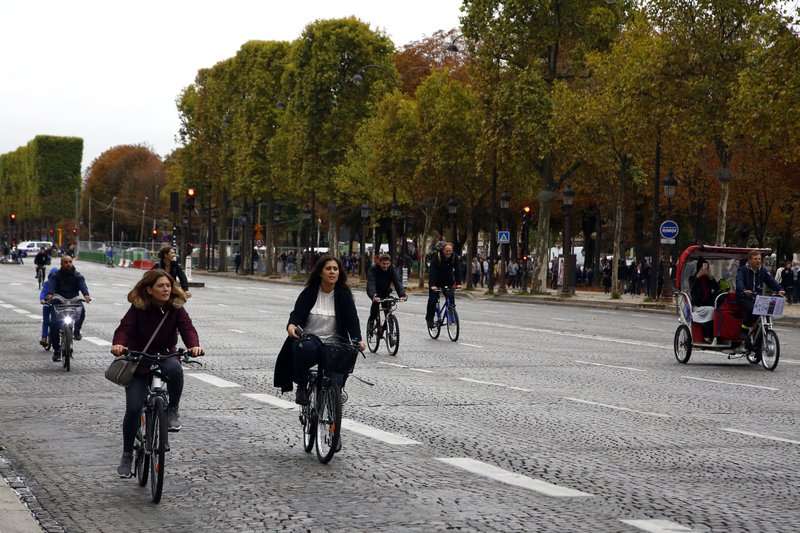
122,369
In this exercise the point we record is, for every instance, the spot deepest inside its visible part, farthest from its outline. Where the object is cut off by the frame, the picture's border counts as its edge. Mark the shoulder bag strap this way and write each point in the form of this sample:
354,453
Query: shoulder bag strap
153,336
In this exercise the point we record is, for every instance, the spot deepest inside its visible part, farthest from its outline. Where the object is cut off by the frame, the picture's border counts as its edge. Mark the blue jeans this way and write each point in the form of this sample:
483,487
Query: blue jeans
46,310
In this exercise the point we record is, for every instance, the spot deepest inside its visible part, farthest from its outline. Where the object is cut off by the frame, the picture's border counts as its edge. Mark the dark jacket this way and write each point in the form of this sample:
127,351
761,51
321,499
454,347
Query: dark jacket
380,281
67,283
444,272
347,325
175,271
747,279
787,278
41,259
704,290
139,323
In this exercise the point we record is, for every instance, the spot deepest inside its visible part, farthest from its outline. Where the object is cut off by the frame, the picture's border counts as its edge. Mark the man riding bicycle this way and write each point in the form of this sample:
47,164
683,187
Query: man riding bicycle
67,283
380,279
750,280
443,273
41,260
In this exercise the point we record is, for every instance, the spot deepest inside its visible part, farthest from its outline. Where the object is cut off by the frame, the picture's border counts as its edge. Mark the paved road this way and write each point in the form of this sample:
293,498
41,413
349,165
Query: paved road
541,418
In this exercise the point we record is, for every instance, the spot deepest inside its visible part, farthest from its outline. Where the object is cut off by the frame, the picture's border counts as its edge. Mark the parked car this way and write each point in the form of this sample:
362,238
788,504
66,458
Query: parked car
32,247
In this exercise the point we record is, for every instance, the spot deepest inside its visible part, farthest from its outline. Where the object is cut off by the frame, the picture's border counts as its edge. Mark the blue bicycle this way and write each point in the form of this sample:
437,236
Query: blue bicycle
446,315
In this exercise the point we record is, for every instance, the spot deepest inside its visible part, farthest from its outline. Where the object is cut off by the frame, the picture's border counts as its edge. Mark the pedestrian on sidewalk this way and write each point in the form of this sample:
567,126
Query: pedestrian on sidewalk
787,280
237,261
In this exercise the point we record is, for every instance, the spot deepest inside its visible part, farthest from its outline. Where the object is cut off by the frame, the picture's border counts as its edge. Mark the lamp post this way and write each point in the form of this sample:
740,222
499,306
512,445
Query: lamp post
568,287
113,218
505,202
452,210
307,218
724,176
365,213
670,188
526,222
395,214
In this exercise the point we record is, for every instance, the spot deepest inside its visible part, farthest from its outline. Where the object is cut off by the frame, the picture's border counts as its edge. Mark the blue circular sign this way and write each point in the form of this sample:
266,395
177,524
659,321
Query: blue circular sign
669,229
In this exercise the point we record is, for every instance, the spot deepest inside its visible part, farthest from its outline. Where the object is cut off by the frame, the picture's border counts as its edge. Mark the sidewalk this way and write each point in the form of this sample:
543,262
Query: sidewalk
14,516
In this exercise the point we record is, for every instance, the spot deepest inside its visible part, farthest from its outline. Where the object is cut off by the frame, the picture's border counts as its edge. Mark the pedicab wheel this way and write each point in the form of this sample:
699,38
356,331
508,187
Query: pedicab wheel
683,344
770,351
373,342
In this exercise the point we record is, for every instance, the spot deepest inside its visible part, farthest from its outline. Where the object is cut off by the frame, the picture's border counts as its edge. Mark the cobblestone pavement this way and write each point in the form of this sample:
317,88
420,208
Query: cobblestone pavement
541,418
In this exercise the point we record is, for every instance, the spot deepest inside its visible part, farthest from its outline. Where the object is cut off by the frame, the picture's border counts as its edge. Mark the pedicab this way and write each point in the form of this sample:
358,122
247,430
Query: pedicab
759,344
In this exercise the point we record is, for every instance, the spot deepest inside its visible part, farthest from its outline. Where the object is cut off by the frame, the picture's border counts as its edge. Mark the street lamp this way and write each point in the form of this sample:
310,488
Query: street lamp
395,215
365,214
505,203
670,188
452,210
568,198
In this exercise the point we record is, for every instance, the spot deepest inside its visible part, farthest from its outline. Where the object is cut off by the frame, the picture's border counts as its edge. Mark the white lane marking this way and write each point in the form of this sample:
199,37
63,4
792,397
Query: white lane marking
212,287
657,526
375,433
98,341
236,330
1,302
611,366
421,370
118,303
470,345
120,285
511,478
21,311
272,400
35,317
470,380
214,380
223,305
791,362
393,364
563,319
646,329
760,436
617,407
7,306
730,383
15,284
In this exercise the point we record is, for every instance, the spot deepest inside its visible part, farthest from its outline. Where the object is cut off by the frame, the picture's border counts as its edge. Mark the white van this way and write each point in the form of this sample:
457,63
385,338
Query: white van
31,248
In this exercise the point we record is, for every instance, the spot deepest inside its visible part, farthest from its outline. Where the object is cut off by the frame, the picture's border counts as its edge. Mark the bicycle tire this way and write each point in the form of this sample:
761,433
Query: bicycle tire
66,347
392,334
329,422
159,449
436,330
309,419
141,457
453,325
373,342
770,350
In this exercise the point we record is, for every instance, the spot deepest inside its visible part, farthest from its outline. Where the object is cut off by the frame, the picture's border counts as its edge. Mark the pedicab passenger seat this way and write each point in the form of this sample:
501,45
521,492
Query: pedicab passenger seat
728,317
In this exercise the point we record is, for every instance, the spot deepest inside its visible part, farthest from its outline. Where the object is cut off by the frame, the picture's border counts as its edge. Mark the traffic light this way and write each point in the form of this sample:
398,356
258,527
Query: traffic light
155,232
190,196
526,212
12,218
51,232
74,231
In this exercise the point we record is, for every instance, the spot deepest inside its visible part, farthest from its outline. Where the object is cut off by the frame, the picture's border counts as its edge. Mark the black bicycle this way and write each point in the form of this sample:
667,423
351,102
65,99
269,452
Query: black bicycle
446,315
152,438
40,275
388,330
321,417
65,313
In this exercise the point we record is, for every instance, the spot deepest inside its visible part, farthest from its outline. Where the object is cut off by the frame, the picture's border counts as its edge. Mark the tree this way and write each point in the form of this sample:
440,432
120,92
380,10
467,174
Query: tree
416,61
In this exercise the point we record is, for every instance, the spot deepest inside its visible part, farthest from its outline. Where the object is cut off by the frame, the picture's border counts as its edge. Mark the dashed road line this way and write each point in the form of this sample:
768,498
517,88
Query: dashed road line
396,365
7,306
214,380
470,345
512,478
617,407
120,285
470,380
236,330
271,400
612,366
223,305
15,284
34,317
424,371
731,383
658,526
21,311
760,436
791,361
98,341
386,437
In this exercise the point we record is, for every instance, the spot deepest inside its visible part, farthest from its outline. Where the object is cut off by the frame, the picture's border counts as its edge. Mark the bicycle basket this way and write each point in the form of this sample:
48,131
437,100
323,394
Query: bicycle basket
339,355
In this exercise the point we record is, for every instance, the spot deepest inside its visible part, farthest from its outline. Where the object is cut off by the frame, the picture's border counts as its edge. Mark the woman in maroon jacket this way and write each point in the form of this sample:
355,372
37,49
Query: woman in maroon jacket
154,297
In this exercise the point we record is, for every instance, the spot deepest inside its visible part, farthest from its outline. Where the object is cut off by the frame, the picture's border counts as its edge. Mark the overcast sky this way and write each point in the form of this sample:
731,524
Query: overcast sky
109,71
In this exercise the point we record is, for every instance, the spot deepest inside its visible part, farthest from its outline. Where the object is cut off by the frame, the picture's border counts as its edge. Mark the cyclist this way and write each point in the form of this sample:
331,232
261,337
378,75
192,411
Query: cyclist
41,260
324,308
750,280
167,263
380,279
155,297
67,283
46,310
443,273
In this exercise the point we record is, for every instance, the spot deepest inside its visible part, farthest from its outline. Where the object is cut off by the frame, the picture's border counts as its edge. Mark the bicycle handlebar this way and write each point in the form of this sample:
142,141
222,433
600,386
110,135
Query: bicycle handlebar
185,356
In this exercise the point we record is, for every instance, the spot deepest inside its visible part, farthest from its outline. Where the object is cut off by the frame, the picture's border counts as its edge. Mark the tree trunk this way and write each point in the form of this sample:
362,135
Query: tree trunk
222,232
542,242
722,216
623,172
471,244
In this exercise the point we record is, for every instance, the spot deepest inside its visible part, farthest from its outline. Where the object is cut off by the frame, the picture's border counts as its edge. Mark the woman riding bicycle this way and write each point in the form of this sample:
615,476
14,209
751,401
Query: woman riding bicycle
324,308
168,263
156,301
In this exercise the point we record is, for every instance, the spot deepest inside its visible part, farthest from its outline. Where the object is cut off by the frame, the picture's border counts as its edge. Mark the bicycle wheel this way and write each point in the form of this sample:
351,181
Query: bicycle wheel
309,418
436,330
159,448
770,350
453,325
329,421
141,457
372,336
66,346
682,344
392,334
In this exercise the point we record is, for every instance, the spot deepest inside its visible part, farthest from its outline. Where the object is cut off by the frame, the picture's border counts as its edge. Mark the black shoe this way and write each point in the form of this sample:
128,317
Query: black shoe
300,396
173,420
56,357
125,464
77,336
430,324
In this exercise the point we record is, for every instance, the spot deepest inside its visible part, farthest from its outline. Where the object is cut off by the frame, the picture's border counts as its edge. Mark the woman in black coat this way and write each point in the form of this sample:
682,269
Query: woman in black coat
167,263
324,308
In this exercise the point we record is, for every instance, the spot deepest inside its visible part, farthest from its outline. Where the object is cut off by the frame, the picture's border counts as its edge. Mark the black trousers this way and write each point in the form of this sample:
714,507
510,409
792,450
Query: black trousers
136,393
373,311
746,304
433,297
